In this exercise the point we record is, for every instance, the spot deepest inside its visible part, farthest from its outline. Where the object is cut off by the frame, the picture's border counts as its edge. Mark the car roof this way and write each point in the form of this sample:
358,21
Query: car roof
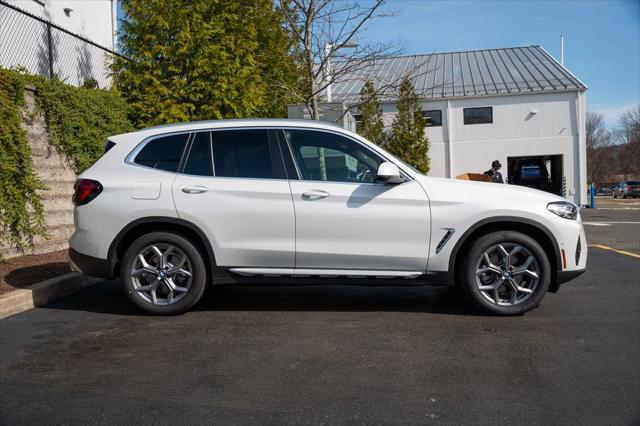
222,124
243,122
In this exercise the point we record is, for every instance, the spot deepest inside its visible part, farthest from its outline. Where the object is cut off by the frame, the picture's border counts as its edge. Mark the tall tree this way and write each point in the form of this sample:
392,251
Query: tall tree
329,49
628,132
407,140
200,59
598,141
371,124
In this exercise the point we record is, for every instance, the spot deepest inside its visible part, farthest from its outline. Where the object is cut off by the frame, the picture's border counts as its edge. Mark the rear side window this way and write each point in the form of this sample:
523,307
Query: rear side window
199,160
242,153
163,153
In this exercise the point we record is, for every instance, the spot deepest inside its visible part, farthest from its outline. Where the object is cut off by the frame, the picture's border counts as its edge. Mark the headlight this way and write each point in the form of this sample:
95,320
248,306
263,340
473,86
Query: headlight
563,209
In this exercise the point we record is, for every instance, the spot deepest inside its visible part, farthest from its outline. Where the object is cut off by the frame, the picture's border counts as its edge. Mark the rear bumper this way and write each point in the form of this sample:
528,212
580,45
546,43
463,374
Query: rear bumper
90,265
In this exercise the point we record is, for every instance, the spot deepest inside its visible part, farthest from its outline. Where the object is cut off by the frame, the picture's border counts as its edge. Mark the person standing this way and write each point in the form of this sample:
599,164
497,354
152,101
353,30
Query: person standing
494,172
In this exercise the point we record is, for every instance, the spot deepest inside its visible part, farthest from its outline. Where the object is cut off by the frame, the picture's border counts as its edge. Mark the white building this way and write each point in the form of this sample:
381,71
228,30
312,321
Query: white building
69,39
516,105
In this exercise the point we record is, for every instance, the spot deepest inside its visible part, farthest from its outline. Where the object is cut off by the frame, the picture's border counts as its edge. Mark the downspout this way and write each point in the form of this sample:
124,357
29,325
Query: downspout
448,161
582,150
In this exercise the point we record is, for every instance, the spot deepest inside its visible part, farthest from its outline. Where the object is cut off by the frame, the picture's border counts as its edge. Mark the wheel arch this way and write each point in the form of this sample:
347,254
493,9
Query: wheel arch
528,227
164,224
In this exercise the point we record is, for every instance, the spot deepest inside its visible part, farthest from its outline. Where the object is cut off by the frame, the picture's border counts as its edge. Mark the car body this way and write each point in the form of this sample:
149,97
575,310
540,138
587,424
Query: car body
626,188
302,202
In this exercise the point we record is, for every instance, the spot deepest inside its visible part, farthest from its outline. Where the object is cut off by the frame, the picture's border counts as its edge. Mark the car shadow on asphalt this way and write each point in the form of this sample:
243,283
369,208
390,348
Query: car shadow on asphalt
109,298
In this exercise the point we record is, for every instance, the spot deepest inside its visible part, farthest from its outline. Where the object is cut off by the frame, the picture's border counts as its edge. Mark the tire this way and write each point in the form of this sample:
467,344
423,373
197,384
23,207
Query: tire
481,279
150,286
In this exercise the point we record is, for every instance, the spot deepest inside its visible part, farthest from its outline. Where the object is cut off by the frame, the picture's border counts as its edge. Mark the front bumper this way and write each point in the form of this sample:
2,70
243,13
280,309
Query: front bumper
90,265
566,276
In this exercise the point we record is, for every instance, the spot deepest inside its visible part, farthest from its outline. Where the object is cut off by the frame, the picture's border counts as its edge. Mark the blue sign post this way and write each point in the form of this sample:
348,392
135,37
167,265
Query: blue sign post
592,196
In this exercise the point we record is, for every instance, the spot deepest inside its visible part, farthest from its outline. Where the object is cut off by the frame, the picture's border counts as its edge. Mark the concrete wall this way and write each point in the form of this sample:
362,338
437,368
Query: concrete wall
57,174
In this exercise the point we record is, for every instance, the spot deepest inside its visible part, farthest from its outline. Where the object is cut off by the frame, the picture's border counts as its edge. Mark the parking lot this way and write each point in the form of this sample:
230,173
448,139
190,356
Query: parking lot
337,355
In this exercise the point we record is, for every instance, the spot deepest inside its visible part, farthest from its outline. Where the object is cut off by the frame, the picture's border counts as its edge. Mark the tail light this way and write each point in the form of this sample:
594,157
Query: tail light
85,191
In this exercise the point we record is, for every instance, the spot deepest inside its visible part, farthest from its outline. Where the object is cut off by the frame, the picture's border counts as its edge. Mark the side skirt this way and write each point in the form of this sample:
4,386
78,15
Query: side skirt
290,277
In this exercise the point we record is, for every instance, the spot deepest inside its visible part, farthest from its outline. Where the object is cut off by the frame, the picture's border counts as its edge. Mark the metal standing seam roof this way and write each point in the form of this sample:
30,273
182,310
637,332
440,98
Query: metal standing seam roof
470,73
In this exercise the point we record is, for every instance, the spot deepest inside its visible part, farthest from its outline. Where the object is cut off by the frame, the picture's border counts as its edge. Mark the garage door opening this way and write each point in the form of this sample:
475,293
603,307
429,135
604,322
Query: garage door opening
543,172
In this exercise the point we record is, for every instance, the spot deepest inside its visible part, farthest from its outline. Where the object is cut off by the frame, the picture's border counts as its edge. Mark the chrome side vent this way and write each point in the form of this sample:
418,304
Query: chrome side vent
444,239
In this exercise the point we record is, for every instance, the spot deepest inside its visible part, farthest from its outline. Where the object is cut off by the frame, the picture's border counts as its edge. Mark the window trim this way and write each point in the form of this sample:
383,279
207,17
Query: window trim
490,108
272,142
281,134
279,131
424,112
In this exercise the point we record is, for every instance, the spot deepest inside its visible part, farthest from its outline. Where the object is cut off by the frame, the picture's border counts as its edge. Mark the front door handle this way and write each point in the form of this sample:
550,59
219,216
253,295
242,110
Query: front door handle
314,194
194,189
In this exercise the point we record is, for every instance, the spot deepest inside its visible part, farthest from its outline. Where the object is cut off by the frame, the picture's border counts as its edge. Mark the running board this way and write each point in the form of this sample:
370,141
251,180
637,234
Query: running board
324,273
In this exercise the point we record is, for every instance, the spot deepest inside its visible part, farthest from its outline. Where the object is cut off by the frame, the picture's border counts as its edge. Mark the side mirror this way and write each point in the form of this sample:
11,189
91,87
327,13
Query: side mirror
389,173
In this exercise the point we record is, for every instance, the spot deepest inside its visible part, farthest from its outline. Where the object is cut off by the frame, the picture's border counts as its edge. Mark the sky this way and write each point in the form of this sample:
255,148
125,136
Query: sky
601,37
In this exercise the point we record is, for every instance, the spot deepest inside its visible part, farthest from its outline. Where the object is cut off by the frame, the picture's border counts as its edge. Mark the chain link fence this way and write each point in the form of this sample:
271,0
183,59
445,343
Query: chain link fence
37,46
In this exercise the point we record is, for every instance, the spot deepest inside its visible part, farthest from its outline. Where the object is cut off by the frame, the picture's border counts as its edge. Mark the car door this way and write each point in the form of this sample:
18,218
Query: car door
344,218
233,186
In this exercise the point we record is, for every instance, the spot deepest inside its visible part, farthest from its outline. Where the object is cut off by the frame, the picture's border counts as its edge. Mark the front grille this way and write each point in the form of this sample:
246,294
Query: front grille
578,251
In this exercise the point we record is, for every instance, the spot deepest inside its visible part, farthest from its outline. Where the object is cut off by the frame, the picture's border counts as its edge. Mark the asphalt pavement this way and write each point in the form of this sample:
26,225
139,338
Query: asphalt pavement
614,223
330,355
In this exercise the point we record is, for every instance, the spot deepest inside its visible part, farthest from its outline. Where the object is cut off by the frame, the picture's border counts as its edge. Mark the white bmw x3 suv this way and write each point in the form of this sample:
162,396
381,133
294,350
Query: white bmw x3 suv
173,208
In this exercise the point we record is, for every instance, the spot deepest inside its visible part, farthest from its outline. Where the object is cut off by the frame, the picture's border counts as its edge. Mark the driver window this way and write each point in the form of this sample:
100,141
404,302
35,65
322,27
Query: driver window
329,157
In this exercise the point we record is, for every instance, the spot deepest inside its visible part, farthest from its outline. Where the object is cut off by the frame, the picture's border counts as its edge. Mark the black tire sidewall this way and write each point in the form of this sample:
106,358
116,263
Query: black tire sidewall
473,257
198,280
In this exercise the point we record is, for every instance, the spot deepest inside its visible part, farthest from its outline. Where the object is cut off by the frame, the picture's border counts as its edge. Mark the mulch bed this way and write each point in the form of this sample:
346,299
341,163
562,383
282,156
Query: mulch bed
23,271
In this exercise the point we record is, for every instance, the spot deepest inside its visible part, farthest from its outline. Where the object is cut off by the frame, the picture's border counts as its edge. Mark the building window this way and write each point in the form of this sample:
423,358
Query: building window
434,117
478,115
358,120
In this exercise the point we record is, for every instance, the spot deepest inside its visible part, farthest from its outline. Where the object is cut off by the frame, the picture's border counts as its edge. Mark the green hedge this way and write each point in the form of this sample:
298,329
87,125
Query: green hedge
79,120
21,213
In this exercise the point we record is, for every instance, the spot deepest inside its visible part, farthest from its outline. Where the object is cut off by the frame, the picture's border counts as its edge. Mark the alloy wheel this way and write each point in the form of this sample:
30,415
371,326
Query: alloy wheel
507,274
161,274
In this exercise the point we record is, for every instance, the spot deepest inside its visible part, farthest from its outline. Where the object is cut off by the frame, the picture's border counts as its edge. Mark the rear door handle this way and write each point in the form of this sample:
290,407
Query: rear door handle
314,194
194,189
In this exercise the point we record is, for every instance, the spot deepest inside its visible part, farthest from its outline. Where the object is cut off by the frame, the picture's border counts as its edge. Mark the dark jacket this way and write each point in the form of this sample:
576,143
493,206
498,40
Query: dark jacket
495,176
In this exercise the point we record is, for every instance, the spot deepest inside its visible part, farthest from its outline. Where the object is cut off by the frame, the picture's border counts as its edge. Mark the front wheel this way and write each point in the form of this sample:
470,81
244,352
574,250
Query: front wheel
505,273
163,273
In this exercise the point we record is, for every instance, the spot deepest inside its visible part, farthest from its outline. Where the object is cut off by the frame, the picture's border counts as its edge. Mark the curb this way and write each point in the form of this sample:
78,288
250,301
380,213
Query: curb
44,292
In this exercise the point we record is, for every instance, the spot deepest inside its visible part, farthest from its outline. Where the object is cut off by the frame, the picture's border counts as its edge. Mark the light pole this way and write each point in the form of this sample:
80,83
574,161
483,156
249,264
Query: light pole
328,50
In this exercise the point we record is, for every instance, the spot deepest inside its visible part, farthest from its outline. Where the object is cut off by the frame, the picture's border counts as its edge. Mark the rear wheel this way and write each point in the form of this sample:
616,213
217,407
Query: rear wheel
163,273
506,273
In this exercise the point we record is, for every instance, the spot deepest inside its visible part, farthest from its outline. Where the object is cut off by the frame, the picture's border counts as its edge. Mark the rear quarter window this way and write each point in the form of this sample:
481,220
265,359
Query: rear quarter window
163,153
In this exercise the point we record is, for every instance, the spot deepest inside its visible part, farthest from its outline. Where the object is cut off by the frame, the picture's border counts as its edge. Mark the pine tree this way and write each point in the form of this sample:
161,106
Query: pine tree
200,59
371,125
407,140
